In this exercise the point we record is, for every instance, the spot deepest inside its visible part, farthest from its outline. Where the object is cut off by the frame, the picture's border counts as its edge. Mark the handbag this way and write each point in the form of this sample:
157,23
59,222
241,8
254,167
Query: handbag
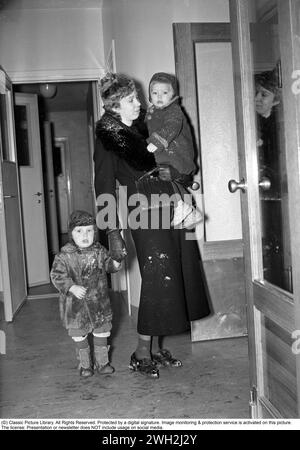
154,193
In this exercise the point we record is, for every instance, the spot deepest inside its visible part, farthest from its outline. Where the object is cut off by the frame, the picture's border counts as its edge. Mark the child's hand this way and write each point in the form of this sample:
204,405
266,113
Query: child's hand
151,148
78,291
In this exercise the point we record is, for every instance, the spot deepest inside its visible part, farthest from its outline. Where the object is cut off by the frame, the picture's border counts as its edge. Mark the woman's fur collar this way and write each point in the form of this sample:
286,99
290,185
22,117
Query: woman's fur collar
124,141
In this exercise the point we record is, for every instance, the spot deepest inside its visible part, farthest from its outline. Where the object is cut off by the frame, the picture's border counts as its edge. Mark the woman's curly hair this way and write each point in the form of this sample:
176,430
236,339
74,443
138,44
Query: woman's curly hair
114,87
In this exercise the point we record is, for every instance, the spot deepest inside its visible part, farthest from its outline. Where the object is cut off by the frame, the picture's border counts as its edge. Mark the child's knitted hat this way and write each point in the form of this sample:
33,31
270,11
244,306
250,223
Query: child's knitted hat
80,218
162,77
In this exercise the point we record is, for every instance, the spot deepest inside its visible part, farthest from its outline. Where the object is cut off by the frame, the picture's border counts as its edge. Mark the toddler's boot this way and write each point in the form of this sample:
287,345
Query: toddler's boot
85,363
101,360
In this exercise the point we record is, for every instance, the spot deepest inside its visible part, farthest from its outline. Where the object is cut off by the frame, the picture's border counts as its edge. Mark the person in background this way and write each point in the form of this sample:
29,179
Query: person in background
79,274
172,288
267,99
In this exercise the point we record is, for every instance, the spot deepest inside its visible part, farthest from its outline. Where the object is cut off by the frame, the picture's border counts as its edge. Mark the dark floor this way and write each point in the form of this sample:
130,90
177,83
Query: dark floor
39,378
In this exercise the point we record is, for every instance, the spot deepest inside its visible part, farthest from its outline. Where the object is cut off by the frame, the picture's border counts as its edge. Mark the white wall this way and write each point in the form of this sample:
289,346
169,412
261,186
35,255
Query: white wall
1,282
55,43
53,39
143,33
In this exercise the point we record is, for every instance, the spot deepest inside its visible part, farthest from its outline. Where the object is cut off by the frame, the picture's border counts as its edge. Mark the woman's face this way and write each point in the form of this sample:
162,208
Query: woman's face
129,108
264,101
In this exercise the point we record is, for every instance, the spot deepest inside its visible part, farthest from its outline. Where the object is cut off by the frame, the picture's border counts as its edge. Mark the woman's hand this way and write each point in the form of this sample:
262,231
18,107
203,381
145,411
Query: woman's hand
167,173
78,291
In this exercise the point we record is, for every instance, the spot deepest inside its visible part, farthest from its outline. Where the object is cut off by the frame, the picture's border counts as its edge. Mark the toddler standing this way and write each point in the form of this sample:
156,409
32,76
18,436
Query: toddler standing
170,138
79,274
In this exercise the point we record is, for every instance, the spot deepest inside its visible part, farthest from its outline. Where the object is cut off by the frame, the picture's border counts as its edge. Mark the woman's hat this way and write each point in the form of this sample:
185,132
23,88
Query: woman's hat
268,80
114,85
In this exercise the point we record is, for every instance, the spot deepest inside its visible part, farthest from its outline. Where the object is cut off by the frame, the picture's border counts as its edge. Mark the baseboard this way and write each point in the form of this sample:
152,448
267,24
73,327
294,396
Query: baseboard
42,296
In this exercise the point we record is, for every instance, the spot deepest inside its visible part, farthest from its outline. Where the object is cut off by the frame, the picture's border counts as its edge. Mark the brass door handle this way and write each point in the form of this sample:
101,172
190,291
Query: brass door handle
233,185
38,194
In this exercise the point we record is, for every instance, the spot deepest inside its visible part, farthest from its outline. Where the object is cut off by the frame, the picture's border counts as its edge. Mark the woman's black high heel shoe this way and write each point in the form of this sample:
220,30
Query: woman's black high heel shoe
144,365
164,358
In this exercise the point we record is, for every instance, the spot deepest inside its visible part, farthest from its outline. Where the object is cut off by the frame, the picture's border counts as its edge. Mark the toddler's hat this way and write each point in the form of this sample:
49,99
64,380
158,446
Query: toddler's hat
80,218
163,77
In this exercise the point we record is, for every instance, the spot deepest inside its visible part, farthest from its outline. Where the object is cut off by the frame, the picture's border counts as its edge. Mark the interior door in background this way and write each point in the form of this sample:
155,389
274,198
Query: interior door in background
63,182
11,237
32,189
203,57
51,201
265,54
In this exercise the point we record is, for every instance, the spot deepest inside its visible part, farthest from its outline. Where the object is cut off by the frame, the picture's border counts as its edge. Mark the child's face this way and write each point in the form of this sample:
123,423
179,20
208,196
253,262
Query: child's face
83,236
161,94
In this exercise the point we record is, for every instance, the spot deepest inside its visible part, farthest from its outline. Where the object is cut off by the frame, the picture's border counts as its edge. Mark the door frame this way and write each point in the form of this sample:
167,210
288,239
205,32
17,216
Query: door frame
64,145
65,77
221,258
185,36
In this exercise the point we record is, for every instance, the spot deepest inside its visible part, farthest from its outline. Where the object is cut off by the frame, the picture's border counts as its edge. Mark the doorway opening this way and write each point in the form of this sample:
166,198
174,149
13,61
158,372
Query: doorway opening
61,148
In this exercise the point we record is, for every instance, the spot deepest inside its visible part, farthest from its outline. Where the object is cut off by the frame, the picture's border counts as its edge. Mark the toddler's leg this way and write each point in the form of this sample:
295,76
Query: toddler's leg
101,349
83,349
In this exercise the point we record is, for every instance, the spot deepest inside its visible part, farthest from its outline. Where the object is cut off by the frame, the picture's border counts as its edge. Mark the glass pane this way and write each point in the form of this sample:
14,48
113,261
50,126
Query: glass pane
22,139
4,129
271,145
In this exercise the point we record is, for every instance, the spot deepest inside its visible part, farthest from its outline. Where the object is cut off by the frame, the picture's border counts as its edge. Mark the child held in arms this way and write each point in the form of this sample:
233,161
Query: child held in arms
170,139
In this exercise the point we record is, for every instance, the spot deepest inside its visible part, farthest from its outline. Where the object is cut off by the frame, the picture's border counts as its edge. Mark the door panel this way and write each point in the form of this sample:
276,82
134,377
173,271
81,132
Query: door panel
11,239
263,50
32,190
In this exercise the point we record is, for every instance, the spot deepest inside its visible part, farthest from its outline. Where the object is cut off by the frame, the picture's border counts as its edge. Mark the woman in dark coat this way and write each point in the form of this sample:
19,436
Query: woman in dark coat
172,290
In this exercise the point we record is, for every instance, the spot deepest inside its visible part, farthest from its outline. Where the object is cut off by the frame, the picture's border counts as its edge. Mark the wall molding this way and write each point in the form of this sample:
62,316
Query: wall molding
222,250
48,75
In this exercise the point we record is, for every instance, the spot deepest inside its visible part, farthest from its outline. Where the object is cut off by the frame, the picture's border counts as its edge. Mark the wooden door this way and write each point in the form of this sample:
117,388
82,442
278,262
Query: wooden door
11,238
266,52
203,59
32,189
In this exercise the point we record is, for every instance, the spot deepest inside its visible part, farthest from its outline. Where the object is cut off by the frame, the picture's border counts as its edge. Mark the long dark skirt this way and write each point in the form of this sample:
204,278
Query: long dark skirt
172,291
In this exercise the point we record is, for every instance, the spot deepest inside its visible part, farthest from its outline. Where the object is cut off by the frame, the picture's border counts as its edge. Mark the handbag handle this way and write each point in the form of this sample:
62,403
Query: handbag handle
147,174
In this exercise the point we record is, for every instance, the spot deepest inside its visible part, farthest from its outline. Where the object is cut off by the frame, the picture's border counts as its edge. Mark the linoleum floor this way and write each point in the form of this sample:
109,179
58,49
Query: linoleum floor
39,378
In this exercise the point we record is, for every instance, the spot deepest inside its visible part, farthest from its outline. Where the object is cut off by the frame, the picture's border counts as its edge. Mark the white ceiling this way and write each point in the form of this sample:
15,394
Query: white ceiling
49,4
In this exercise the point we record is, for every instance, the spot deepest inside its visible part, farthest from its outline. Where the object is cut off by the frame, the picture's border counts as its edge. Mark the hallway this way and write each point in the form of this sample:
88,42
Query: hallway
39,378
